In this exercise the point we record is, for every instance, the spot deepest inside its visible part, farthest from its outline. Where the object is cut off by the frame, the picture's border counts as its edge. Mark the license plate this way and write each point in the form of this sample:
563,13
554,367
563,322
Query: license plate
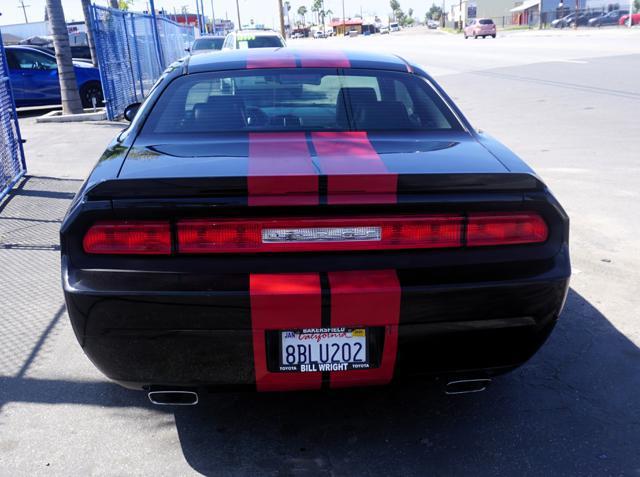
323,349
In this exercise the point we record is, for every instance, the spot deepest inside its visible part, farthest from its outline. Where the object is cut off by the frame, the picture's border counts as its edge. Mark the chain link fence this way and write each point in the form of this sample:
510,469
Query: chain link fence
12,163
133,52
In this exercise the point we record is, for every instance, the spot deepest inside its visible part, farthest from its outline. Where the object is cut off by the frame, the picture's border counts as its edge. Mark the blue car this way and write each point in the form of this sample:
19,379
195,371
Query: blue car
34,78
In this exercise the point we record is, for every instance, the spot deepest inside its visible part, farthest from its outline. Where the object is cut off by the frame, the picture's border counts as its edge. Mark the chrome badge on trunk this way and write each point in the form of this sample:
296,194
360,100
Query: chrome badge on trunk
322,234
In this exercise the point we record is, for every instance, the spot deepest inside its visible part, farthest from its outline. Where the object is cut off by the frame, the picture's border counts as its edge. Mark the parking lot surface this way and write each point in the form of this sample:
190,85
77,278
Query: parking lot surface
568,104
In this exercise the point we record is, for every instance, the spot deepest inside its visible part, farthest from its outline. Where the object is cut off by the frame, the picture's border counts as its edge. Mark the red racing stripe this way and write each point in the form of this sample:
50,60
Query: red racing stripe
324,59
356,173
258,58
283,302
281,171
367,298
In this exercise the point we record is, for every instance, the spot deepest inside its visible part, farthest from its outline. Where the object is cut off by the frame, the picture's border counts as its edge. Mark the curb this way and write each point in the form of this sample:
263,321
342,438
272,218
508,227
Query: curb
58,117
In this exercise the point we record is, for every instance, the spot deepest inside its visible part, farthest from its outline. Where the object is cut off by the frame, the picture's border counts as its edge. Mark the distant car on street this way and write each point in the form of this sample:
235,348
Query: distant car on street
249,39
480,27
207,44
583,19
635,19
384,30
432,24
610,18
563,21
297,35
34,78
394,26
318,34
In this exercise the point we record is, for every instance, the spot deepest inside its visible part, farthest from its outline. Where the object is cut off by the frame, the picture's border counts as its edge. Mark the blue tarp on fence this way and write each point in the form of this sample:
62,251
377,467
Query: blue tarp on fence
132,53
12,164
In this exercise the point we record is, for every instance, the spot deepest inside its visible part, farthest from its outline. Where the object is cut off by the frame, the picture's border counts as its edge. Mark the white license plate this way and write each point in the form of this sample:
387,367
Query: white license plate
323,349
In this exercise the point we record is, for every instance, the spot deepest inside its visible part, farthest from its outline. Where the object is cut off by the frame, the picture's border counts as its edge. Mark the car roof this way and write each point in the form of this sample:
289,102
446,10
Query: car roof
287,57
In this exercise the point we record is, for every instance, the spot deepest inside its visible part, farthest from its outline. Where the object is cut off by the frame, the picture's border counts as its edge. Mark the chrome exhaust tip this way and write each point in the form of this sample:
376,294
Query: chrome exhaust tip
467,386
173,398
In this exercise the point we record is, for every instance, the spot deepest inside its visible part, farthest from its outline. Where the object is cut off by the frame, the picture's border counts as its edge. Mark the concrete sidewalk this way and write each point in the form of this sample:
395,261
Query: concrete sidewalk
65,150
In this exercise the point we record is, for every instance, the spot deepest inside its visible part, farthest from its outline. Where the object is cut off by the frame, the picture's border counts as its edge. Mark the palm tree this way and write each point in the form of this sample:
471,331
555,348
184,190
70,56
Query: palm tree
302,11
114,4
86,9
325,13
71,103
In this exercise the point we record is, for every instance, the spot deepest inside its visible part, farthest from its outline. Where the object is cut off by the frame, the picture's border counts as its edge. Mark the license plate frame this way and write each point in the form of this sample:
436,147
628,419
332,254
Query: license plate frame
327,337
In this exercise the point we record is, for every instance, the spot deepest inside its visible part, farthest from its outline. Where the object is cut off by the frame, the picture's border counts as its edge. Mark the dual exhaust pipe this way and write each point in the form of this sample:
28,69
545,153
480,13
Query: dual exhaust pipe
182,397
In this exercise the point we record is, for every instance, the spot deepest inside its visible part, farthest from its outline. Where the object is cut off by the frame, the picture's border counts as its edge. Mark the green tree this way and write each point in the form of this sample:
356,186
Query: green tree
302,12
124,4
636,5
435,12
398,14
71,103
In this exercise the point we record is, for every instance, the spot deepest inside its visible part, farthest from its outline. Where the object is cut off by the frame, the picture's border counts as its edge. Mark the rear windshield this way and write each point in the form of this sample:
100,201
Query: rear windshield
299,100
267,41
486,22
208,44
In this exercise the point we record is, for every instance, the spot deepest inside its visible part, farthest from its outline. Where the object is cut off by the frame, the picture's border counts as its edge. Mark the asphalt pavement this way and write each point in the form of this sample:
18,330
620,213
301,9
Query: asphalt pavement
568,103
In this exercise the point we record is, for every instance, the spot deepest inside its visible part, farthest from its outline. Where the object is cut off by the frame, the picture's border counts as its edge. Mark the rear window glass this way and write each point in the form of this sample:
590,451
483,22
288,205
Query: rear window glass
268,41
298,100
486,22
208,44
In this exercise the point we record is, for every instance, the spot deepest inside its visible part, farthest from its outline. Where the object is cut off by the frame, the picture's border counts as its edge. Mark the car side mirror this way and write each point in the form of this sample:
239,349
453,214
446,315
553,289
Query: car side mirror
187,49
130,111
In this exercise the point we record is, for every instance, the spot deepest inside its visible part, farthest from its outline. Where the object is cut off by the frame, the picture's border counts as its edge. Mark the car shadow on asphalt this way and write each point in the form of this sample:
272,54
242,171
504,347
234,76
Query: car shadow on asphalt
572,409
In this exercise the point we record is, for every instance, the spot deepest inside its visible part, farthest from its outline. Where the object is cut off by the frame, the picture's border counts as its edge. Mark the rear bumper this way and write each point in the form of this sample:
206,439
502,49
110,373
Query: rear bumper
168,329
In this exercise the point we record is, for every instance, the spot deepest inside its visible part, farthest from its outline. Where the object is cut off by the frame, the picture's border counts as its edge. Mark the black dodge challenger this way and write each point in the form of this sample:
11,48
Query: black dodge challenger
285,219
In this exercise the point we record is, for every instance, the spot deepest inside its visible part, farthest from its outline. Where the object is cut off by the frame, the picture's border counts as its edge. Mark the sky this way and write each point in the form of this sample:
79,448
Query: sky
261,11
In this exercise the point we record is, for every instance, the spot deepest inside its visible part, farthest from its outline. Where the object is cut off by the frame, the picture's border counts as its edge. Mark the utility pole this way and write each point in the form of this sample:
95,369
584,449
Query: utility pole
204,18
238,12
540,15
282,30
344,25
213,19
24,10
575,21
630,13
198,16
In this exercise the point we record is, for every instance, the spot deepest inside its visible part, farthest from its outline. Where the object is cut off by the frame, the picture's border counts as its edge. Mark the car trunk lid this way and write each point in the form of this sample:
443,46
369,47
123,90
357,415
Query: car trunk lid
297,168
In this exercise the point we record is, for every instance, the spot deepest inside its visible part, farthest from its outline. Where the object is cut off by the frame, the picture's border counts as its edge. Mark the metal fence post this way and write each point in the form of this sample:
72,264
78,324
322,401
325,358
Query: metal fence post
156,33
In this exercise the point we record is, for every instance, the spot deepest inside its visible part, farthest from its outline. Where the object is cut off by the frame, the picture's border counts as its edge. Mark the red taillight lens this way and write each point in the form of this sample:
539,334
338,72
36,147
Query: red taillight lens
315,235
303,235
484,229
128,237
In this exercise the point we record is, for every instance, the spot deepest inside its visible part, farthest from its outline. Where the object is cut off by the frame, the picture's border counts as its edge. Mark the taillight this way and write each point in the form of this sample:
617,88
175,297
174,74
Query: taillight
128,237
199,236
304,235
484,229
